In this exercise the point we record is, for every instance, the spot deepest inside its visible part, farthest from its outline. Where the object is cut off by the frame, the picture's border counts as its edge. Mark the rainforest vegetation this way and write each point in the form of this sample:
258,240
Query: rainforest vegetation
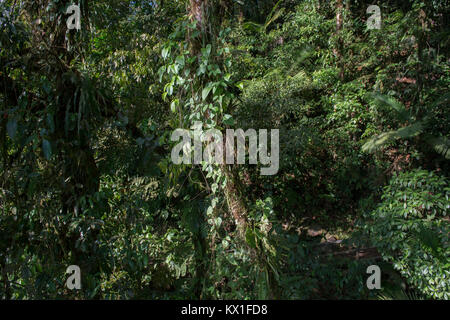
86,176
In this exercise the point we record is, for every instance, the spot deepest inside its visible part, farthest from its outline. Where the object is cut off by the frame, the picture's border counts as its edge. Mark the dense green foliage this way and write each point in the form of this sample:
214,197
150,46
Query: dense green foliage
409,230
86,176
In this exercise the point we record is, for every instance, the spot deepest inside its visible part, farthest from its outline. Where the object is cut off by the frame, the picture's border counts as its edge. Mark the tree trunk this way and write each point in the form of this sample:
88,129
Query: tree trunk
197,12
340,44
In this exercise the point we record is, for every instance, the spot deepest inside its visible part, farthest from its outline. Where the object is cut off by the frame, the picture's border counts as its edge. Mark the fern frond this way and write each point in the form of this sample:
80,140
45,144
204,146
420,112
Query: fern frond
386,138
398,295
274,18
402,113
377,142
441,145
410,131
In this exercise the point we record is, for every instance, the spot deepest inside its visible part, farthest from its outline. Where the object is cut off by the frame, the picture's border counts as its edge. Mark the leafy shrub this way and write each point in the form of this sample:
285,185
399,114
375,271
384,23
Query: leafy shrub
411,229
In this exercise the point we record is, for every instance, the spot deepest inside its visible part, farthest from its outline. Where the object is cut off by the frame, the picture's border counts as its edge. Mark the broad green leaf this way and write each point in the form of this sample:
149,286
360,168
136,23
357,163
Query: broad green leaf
240,85
173,106
165,53
180,60
228,120
206,92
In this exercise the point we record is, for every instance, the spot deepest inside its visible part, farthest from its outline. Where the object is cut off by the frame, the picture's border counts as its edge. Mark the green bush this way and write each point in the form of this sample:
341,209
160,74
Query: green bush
411,229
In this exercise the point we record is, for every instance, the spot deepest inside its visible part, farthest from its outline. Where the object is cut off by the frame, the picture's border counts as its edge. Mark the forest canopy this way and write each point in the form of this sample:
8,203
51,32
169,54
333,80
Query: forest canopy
338,119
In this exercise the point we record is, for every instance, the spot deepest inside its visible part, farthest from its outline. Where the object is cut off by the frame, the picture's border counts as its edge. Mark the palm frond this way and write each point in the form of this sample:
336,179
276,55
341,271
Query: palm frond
379,141
252,26
398,295
410,131
387,138
274,15
271,18
402,113
441,145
